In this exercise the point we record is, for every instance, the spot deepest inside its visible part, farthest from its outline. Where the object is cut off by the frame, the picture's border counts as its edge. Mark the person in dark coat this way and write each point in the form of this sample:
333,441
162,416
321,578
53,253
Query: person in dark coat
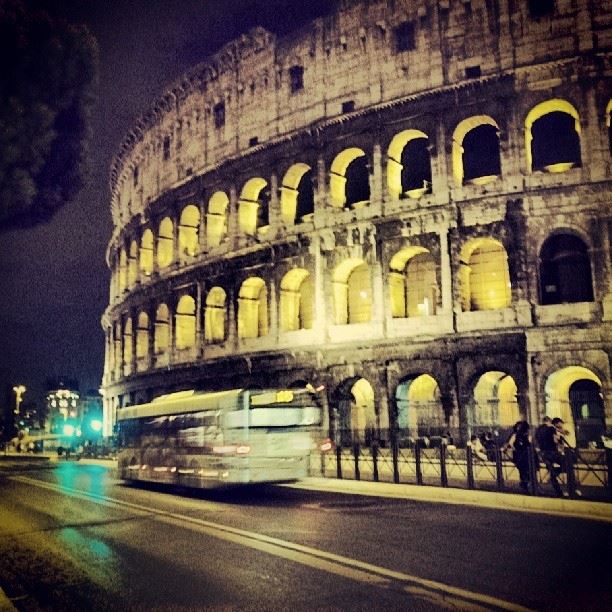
520,445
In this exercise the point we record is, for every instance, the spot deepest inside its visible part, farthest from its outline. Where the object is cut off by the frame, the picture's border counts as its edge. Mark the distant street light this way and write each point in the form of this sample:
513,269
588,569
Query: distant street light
19,391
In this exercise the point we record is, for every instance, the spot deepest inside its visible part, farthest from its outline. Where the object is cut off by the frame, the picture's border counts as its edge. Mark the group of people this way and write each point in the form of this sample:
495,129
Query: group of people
550,441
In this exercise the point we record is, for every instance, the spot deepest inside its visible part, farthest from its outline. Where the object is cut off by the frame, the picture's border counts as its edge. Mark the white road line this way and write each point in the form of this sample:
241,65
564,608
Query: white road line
431,590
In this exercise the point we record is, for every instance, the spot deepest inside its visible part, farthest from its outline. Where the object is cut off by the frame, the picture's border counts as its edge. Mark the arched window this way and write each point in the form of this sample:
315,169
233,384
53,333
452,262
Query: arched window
297,195
132,277
495,403
185,317
352,292
574,393
188,229
253,206
216,218
127,347
142,341
412,283
419,409
409,165
476,156
122,278
552,137
349,179
565,271
484,276
146,253
253,308
165,243
214,315
296,300
162,331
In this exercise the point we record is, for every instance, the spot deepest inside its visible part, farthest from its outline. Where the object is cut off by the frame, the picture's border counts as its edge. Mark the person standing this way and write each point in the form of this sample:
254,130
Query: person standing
520,444
548,438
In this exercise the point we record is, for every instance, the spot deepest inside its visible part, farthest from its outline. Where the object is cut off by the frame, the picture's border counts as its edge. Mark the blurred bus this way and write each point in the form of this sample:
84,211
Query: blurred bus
241,436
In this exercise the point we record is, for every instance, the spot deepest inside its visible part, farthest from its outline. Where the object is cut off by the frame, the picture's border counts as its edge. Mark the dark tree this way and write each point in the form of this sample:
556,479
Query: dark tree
48,74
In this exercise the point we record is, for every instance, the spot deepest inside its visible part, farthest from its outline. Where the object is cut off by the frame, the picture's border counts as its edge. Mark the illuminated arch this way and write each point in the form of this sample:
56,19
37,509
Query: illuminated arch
132,275
352,286
495,403
413,286
296,300
146,253
484,277
253,308
537,113
214,315
216,218
142,341
165,243
161,339
583,413
296,199
188,231
127,346
419,408
253,206
459,135
565,270
118,349
345,189
356,412
185,328
408,166
123,268
609,124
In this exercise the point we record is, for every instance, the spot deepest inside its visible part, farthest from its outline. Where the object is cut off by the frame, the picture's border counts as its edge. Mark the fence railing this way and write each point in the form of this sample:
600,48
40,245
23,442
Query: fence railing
575,473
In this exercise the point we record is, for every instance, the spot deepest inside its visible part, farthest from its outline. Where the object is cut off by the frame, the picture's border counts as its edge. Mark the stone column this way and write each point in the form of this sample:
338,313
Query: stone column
446,273
376,180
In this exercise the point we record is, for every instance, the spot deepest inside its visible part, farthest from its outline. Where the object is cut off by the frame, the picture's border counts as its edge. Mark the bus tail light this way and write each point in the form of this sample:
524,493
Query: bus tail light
243,449
232,449
326,445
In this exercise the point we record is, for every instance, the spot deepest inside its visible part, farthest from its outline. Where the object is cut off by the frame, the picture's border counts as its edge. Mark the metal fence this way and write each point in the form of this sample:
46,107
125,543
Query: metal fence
581,473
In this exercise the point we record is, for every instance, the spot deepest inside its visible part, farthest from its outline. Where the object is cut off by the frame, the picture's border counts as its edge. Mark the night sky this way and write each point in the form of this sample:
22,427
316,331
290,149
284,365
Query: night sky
55,282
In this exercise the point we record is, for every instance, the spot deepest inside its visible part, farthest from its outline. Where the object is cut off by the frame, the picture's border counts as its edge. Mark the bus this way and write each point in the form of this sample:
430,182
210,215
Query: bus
205,440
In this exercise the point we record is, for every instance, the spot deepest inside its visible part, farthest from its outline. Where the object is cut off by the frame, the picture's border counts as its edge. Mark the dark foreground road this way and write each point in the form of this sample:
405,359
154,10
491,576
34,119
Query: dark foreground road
74,538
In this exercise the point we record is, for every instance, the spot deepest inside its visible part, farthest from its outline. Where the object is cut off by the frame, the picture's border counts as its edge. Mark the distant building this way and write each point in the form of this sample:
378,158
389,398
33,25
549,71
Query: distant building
408,202
63,405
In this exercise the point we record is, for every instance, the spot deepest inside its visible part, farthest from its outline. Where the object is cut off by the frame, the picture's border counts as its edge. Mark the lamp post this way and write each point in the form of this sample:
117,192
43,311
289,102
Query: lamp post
19,391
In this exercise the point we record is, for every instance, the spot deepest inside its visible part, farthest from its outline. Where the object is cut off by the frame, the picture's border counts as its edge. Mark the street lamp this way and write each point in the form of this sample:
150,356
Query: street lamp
19,391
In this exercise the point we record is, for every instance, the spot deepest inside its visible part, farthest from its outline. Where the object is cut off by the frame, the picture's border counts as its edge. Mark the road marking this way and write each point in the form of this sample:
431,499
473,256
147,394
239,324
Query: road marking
431,590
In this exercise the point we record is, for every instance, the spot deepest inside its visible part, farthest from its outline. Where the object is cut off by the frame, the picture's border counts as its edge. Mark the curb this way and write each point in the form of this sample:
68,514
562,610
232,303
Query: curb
591,510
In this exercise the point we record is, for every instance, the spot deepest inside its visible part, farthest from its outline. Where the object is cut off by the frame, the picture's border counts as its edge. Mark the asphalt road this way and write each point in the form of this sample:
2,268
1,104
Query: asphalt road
74,538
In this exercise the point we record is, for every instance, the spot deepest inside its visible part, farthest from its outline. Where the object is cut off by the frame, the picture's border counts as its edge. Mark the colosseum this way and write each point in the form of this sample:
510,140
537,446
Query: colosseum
407,202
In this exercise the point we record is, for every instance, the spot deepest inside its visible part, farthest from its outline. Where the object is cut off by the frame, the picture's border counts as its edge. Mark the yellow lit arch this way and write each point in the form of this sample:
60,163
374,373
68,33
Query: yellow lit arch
161,338
394,159
352,287
214,315
216,218
123,266
337,178
253,308
419,409
557,395
537,112
165,243
185,332
363,413
459,134
413,284
289,191
127,346
484,277
189,225
146,253
249,204
296,300
142,340
495,402
132,276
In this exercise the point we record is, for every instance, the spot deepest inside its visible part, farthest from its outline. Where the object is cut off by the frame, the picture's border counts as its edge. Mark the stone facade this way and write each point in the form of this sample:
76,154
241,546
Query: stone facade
408,202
